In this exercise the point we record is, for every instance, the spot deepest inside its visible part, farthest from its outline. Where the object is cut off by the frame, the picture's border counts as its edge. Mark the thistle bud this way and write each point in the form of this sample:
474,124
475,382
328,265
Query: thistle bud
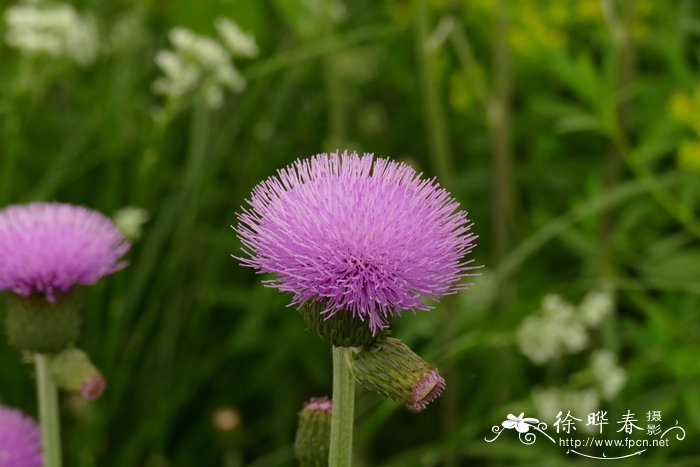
389,367
73,371
313,436
36,324
341,329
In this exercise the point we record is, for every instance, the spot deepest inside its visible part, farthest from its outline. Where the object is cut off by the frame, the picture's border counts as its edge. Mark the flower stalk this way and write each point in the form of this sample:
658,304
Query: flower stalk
343,409
48,412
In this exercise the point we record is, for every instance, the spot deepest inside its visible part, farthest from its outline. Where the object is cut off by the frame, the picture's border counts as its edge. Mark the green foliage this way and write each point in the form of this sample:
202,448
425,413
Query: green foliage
605,193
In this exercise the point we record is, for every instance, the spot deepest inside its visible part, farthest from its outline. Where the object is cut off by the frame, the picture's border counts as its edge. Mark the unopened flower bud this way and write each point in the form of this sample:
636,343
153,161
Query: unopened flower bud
73,371
392,369
312,440
341,329
36,324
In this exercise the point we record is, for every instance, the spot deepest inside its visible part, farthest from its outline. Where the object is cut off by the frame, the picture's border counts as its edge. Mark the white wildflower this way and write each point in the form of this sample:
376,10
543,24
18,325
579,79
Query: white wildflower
180,76
549,401
54,30
130,221
609,377
238,42
596,305
553,331
196,63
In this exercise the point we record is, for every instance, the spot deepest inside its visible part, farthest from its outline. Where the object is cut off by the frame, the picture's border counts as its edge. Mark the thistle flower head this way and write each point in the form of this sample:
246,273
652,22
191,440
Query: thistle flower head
359,234
20,440
47,248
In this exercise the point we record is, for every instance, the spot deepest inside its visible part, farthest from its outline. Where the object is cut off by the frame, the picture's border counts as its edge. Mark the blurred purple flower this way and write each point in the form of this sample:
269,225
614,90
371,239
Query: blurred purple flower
49,247
319,404
20,440
363,235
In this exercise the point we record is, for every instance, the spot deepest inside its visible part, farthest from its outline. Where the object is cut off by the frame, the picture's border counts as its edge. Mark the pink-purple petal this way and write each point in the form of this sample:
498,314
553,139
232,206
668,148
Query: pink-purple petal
20,440
363,235
47,248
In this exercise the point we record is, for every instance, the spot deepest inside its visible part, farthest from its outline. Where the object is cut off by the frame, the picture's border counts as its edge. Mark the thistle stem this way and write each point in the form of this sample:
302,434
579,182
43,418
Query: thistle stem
343,410
48,412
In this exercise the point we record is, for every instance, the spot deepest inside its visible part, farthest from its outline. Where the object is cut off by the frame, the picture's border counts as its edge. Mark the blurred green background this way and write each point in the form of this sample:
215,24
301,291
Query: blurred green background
570,131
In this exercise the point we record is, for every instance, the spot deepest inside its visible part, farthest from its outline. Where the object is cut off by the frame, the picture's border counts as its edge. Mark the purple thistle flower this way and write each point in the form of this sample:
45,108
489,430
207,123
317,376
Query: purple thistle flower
361,234
47,248
20,440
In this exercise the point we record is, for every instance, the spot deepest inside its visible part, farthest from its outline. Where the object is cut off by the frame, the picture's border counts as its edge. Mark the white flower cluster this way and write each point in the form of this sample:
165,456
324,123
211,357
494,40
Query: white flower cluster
609,377
560,328
236,40
596,305
202,64
553,331
54,30
549,401
130,221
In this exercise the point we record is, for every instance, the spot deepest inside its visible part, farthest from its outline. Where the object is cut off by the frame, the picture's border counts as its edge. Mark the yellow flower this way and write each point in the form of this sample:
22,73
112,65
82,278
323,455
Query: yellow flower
689,155
680,107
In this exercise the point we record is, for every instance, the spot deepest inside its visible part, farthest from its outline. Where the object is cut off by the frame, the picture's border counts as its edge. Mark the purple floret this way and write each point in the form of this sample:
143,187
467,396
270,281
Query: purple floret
360,234
47,248
20,440
319,404
429,388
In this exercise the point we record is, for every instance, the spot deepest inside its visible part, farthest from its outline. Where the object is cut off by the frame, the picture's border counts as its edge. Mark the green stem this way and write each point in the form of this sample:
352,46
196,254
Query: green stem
343,409
500,121
48,412
433,115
